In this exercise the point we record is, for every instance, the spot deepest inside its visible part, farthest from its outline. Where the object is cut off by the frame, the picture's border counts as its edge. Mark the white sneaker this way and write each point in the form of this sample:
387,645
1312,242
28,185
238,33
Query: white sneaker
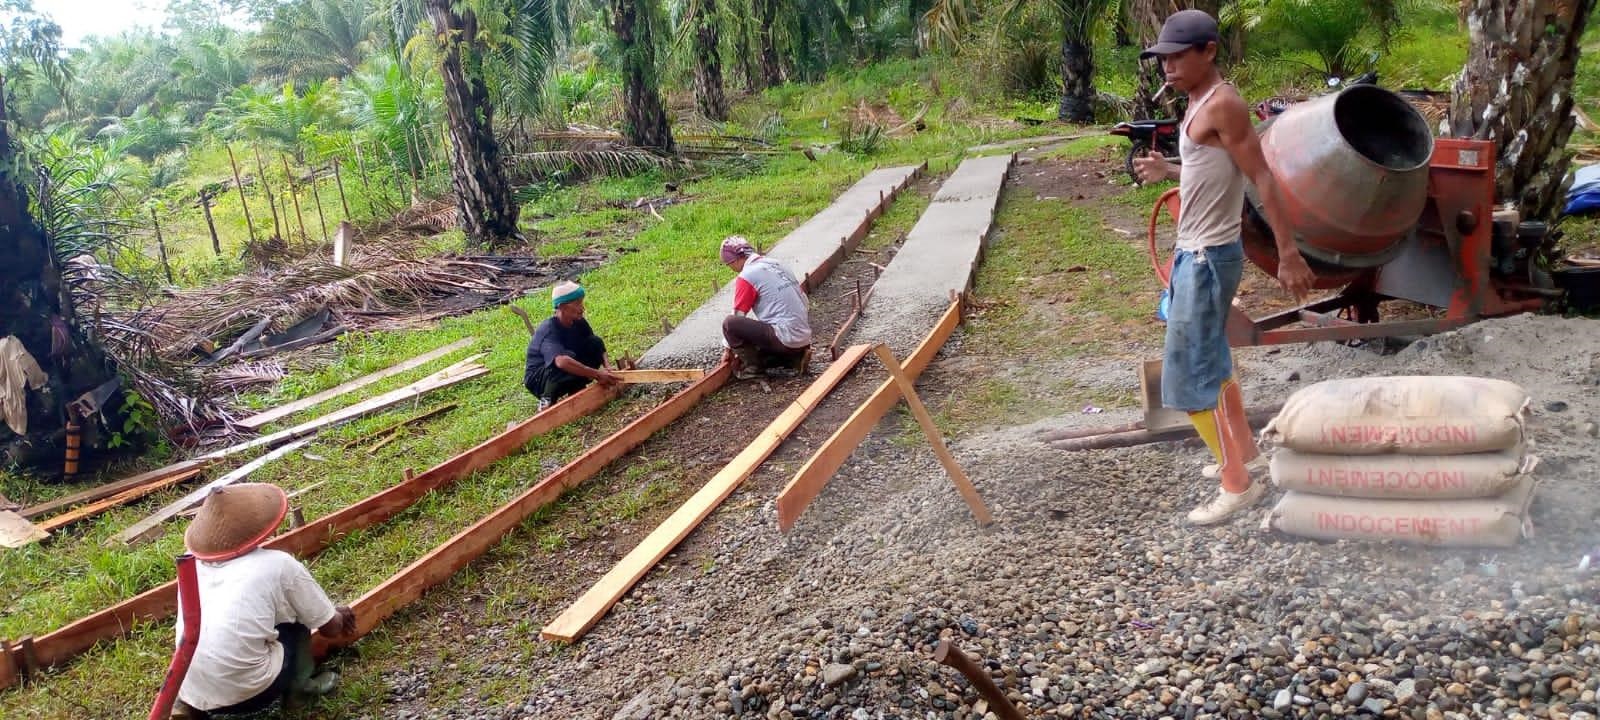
1257,469
1226,505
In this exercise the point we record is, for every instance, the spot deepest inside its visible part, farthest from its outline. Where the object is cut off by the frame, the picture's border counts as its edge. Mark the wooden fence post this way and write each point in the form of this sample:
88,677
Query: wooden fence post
251,226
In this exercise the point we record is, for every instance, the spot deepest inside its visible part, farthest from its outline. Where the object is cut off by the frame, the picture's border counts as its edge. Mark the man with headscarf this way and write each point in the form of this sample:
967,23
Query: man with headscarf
565,355
771,325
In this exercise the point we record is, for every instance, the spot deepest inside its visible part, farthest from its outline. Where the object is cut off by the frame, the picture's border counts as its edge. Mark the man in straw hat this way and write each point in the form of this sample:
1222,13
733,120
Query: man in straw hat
777,332
257,609
1220,151
565,355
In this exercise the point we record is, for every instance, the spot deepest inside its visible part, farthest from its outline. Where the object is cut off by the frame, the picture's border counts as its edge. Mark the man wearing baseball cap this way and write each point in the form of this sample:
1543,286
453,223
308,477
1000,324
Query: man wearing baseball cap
1220,151
565,355
257,609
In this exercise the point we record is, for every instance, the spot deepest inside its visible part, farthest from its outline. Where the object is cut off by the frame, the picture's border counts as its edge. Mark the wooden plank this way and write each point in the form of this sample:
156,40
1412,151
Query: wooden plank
634,377
100,492
437,566
161,602
908,390
57,522
459,372
594,604
809,481
447,407
255,422
138,529
16,531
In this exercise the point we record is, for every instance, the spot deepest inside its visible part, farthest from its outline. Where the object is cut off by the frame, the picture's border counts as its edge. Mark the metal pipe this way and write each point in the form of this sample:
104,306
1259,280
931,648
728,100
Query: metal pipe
189,604
951,656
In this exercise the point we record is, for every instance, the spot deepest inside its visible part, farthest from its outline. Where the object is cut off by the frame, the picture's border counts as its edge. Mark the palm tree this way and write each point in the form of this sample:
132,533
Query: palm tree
766,16
645,117
314,39
949,19
701,18
487,211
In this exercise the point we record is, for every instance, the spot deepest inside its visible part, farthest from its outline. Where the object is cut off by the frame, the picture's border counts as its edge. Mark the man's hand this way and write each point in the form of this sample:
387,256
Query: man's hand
607,378
1151,168
727,355
1294,274
342,625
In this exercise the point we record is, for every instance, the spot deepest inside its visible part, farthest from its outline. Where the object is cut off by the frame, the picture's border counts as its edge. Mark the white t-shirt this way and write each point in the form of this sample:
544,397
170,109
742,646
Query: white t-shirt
767,290
241,602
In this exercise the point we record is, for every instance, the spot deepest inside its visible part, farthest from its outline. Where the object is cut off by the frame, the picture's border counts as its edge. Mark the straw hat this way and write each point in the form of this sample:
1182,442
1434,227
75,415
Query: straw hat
235,519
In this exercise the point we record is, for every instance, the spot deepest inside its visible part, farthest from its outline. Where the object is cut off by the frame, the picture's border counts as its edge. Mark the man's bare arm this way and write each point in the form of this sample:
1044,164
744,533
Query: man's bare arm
1232,120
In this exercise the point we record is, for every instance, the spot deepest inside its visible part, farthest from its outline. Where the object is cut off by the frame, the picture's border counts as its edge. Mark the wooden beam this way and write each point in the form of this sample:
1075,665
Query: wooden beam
437,566
447,407
256,422
57,522
161,602
809,481
594,604
908,390
634,377
138,529
114,488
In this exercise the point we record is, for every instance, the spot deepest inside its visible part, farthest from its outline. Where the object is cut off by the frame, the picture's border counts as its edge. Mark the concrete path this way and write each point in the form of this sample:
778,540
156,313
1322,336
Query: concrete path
940,255
811,251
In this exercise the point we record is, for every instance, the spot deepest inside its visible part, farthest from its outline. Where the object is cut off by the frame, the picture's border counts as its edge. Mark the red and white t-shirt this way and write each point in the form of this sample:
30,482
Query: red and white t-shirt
769,292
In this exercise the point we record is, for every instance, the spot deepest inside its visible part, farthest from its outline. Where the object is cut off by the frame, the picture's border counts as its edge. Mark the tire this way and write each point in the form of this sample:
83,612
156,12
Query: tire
1137,150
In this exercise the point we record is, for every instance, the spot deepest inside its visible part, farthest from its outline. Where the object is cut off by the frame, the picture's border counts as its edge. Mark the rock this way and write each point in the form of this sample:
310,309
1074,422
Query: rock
837,674
1405,690
1282,700
1376,706
1356,695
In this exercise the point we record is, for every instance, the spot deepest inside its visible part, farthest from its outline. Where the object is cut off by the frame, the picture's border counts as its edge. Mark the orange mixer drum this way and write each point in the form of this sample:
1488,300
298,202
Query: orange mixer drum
1352,168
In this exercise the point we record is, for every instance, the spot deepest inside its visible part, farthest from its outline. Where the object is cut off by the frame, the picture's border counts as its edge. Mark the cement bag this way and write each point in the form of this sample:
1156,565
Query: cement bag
1494,522
1412,415
1402,477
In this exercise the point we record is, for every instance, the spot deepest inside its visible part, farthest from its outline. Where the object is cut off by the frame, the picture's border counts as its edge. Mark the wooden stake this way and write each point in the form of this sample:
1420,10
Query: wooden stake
161,245
317,196
266,188
249,225
361,167
909,391
338,180
211,225
295,196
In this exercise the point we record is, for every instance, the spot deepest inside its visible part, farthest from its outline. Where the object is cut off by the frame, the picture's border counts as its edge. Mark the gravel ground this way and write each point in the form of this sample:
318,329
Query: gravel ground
1089,598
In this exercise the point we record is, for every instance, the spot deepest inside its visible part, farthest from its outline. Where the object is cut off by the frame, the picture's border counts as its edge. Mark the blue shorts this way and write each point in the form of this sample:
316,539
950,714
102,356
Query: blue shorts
1197,359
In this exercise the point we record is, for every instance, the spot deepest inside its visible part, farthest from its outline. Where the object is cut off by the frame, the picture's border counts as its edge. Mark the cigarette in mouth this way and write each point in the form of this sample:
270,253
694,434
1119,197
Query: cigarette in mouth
1161,91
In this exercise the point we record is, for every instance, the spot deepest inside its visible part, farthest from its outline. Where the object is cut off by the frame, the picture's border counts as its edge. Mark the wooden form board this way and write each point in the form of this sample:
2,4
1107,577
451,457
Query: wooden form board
908,390
255,422
632,377
56,522
138,530
161,602
101,492
594,604
809,481
450,557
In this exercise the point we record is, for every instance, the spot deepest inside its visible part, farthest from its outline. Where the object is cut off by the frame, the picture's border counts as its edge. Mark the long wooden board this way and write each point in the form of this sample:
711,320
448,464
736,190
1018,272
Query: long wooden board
161,602
809,481
56,522
255,422
594,604
632,377
101,492
447,559
138,530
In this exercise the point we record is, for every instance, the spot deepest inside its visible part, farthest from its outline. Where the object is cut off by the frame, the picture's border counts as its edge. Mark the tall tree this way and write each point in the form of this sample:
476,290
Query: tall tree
311,40
487,211
1516,89
766,17
708,87
645,116
36,309
950,19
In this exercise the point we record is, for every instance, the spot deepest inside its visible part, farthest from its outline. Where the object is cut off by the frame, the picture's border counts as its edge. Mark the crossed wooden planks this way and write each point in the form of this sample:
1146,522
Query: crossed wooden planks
77,637
593,605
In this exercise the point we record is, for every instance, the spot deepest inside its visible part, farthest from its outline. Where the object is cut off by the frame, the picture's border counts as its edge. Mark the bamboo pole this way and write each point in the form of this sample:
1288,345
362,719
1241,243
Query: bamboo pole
211,225
321,219
338,179
288,178
266,188
361,166
249,225
161,245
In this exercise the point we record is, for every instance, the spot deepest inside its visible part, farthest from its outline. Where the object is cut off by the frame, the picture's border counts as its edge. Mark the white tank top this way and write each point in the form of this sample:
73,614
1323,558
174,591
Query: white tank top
1211,190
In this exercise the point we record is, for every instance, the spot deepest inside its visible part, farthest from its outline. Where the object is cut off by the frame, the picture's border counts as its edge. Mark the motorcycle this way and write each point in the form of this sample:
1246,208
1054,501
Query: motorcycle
1147,135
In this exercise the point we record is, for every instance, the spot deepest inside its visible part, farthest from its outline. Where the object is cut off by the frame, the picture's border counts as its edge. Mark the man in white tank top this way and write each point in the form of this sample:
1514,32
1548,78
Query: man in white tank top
1220,151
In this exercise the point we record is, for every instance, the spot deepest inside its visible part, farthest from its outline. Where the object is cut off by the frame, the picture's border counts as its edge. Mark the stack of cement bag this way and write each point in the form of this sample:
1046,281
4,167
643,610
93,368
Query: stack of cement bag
1430,460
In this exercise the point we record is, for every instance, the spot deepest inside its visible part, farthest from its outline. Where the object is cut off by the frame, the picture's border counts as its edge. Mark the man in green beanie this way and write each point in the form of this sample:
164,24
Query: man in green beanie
565,355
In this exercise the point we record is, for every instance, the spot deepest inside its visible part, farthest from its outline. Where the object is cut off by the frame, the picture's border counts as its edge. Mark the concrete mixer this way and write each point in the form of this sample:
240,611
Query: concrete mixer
1381,210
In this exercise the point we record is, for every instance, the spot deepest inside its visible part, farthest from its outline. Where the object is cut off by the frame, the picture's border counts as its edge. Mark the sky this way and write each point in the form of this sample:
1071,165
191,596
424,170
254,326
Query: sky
81,18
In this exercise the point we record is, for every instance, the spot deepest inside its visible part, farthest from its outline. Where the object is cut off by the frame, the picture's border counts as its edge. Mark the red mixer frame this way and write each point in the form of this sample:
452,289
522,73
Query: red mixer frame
1445,264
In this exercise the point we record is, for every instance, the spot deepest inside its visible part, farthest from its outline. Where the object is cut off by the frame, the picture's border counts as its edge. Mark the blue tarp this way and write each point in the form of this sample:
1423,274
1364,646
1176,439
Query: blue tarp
1584,195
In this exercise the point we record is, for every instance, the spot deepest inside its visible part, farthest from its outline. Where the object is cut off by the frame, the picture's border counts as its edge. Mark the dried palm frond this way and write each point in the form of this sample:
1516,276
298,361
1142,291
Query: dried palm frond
626,161
235,378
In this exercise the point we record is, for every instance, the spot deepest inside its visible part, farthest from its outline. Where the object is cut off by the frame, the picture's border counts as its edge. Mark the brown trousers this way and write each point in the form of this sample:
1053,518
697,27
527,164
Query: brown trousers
756,343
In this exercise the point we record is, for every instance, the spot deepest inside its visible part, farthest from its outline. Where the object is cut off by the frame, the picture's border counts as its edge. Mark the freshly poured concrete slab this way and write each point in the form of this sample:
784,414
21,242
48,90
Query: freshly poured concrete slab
939,256
811,252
